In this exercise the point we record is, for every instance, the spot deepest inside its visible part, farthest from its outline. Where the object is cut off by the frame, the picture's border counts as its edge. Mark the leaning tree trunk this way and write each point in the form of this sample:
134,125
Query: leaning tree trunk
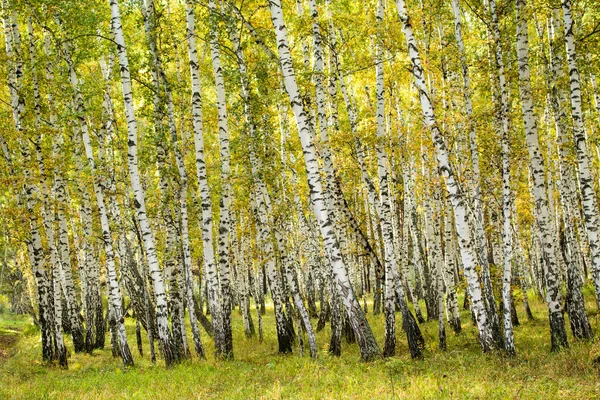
463,229
481,240
114,293
92,288
575,303
333,190
368,345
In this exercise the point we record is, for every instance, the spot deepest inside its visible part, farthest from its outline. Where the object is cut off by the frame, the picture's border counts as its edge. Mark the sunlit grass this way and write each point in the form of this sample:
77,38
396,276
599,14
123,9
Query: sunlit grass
259,372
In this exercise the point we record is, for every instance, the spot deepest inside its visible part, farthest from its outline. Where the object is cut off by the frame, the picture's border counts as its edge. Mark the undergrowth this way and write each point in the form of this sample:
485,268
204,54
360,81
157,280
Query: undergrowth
258,372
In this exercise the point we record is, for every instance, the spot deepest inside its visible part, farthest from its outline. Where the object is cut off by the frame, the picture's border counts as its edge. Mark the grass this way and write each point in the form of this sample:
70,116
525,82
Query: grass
258,372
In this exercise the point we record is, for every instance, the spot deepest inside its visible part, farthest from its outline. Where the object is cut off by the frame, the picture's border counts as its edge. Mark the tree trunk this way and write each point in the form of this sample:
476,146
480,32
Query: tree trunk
164,333
463,229
114,292
15,74
224,349
586,182
368,345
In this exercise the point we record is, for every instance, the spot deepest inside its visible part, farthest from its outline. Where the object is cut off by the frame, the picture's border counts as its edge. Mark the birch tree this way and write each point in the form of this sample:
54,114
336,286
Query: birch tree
225,347
567,184
368,346
463,229
506,184
586,182
164,333
114,291
546,231
44,290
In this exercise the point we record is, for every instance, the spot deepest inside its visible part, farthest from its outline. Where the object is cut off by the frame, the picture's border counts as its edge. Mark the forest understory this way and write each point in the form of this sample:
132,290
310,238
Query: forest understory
462,372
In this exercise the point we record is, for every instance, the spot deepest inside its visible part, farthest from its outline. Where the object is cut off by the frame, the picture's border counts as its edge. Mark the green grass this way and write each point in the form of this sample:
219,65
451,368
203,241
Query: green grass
259,372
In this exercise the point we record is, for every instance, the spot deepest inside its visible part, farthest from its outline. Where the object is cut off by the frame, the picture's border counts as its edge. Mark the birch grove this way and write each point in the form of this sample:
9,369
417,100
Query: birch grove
186,171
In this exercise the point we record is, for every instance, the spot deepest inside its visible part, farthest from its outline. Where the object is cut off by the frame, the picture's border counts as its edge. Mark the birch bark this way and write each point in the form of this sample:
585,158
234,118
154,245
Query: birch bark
212,283
586,183
545,226
225,348
463,229
368,345
164,333
15,74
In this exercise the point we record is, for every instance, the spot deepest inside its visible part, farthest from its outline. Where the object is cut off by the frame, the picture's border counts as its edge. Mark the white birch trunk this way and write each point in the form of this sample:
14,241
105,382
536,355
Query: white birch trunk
114,293
46,209
225,347
162,94
586,182
463,229
164,333
506,190
366,340
15,74
452,298
545,225
389,348
213,292
186,247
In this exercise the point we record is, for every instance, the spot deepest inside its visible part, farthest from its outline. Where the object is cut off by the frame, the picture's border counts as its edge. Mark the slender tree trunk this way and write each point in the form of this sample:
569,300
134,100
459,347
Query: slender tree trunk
452,298
546,231
242,266
506,190
295,292
225,347
114,292
284,336
162,97
389,348
567,185
586,182
186,247
164,333
15,75
481,240
47,211
212,283
463,229
368,345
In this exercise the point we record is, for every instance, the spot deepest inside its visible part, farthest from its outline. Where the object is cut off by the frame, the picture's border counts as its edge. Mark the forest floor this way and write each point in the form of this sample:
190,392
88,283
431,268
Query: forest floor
258,372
